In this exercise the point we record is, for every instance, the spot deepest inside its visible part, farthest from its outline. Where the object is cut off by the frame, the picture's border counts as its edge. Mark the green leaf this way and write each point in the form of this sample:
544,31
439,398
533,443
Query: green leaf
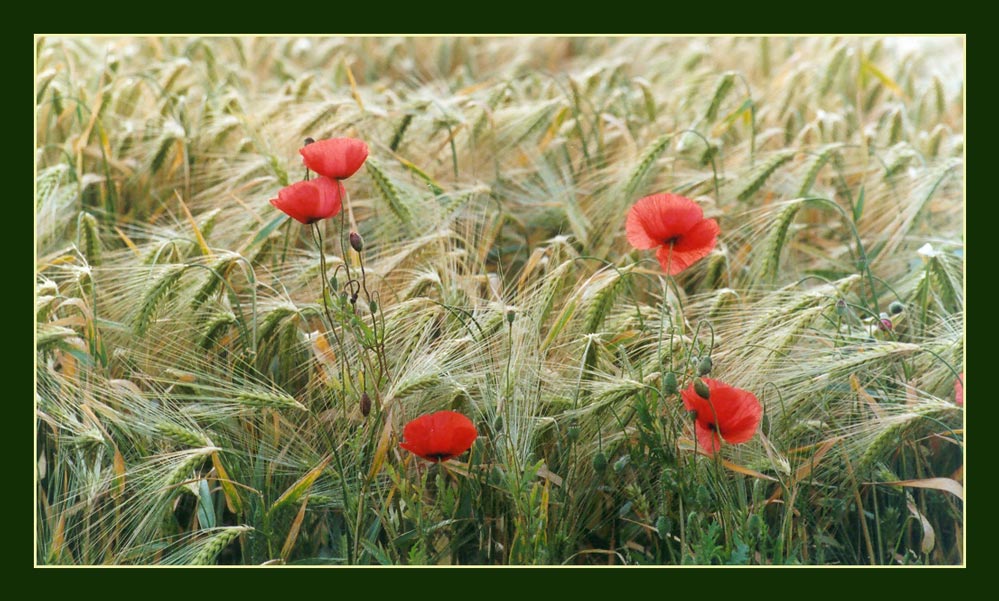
206,507
858,209
267,229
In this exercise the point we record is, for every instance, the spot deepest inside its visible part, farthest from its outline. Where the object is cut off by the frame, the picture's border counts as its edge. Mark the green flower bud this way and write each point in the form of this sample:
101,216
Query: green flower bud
896,307
663,526
373,306
600,462
704,367
702,389
670,384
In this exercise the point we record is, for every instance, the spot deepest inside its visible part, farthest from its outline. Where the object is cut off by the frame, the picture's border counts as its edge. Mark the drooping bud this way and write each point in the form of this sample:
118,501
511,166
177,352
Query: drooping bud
896,307
356,242
365,404
702,389
704,367
373,307
670,384
334,284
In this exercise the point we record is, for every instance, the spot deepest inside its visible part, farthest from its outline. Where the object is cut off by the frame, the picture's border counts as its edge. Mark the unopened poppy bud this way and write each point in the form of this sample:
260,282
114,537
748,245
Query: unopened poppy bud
365,404
896,307
600,462
373,307
573,433
663,526
353,299
670,384
309,141
704,367
841,307
510,316
702,389
334,284
356,242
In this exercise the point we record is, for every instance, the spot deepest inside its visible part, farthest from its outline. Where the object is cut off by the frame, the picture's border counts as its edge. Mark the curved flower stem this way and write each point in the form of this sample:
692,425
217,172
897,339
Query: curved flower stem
863,261
350,213
714,166
318,236
379,345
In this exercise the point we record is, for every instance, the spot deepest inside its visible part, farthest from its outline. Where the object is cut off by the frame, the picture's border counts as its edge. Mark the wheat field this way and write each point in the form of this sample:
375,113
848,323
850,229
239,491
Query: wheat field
213,388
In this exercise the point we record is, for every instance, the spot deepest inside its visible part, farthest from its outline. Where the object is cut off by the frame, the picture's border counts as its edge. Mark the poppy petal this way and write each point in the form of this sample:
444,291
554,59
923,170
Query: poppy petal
310,201
959,390
439,436
740,425
689,248
338,158
730,413
656,219
700,237
707,438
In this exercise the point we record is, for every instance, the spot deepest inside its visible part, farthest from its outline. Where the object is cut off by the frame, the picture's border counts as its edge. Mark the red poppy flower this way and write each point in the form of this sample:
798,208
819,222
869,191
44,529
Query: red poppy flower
439,436
730,414
338,158
959,390
311,200
676,226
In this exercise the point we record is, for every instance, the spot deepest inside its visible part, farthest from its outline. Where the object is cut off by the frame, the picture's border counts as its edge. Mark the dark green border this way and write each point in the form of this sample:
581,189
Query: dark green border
592,583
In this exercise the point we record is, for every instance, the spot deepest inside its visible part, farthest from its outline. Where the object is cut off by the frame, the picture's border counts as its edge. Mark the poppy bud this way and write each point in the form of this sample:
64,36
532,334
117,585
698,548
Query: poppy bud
704,367
573,433
373,307
356,242
365,404
509,316
309,141
702,389
353,298
670,384
600,462
841,308
896,307
334,284
663,526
